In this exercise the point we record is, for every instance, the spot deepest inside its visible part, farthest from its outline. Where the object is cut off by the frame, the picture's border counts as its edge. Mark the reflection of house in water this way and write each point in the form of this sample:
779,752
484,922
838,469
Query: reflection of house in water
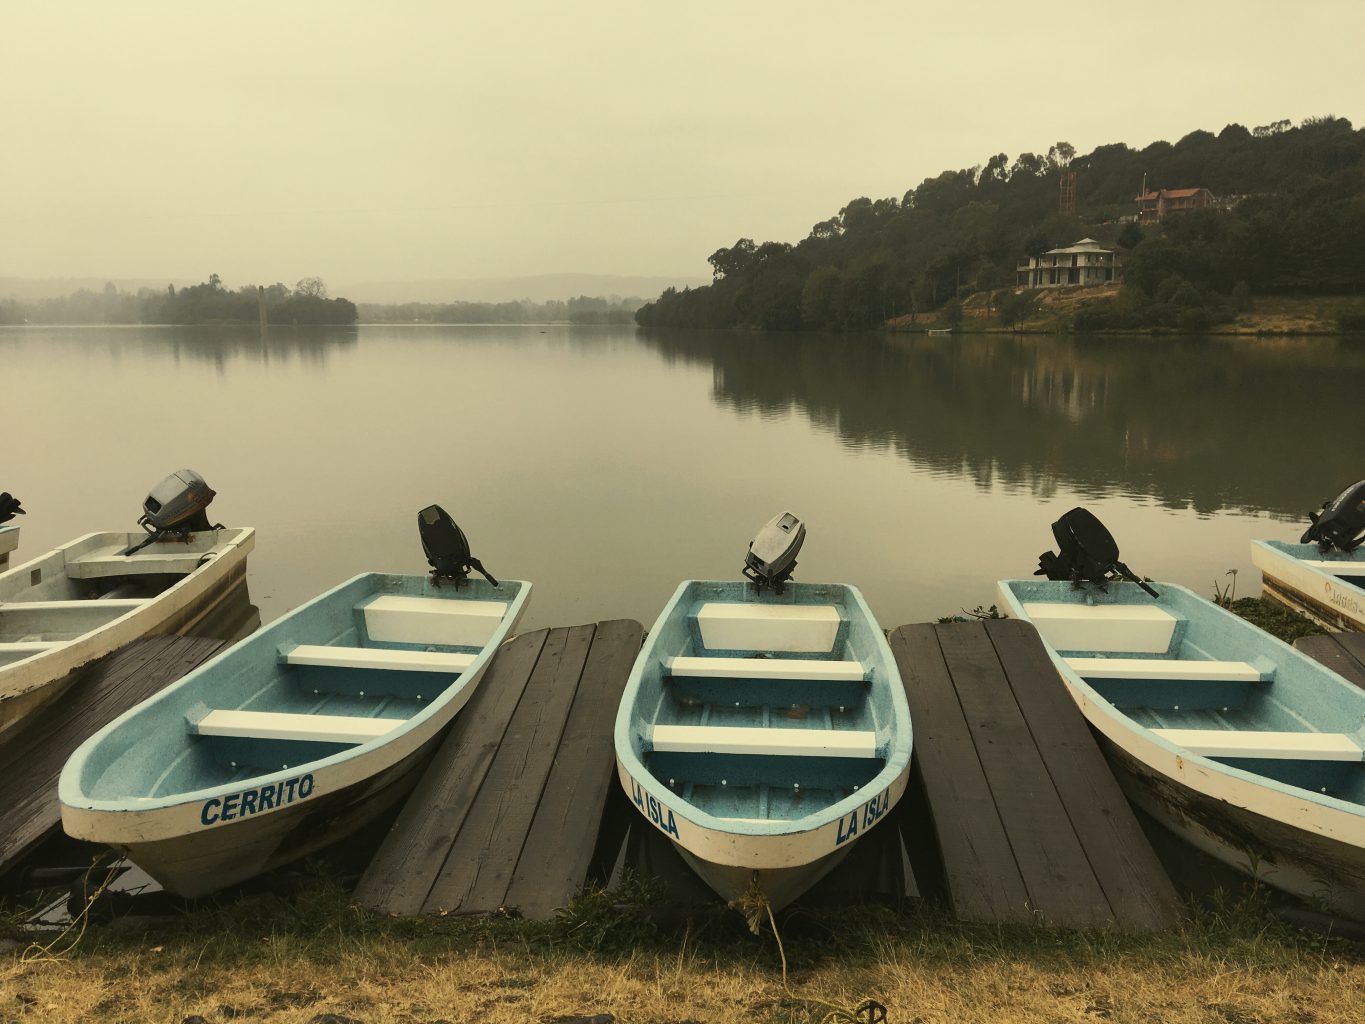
1086,262
1154,207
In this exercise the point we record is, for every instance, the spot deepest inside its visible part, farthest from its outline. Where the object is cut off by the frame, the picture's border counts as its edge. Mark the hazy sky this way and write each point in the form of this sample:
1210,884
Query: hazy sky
367,141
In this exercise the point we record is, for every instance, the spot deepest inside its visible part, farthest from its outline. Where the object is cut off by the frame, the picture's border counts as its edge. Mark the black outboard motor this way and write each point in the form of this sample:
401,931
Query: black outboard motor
446,548
1087,553
9,507
772,554
1340,523
175,509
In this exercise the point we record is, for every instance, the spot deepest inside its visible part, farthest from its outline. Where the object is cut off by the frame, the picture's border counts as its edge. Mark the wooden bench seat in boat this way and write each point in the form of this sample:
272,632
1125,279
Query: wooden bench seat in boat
399,619
1140,628
110,561
1162,669
1298,746
377,658
719,739
765,668
278,725
797,628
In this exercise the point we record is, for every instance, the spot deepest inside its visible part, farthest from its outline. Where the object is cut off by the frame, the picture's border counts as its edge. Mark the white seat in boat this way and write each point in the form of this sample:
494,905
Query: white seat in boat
1142,628
453,622
110,561
766,668
719,739
1299,746
798,628
1158,669
375,657
278,725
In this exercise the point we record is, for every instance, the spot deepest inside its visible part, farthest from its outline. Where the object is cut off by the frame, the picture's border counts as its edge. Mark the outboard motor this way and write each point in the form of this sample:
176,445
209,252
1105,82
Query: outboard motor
1087,553
9,507
446,548
175,509
1340,523
772,554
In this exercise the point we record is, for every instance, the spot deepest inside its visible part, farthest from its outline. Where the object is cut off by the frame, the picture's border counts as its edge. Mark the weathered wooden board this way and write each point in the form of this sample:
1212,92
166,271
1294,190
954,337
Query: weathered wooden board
33,752
508,813
1343,653
1030,823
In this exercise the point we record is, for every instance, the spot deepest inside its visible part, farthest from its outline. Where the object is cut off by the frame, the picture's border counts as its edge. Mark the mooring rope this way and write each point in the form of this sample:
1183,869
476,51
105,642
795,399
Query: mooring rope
753,904
39,953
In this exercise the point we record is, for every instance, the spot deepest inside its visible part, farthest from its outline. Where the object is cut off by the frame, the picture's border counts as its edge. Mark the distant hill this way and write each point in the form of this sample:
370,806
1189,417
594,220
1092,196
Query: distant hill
536,288
37,289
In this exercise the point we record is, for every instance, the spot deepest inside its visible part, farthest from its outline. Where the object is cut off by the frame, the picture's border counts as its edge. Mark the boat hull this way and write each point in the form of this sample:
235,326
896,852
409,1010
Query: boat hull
1328,600
780,886
1304,863
197,863
29,685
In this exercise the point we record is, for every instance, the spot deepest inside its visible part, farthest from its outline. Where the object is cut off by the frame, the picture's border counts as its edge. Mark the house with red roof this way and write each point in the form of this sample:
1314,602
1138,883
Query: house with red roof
1154,207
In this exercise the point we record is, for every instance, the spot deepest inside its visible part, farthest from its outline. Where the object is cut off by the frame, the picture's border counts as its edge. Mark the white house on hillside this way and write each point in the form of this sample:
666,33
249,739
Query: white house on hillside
1086,262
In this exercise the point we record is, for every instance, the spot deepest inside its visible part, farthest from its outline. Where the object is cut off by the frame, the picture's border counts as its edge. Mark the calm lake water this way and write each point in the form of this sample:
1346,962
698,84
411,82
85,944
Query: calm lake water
606,464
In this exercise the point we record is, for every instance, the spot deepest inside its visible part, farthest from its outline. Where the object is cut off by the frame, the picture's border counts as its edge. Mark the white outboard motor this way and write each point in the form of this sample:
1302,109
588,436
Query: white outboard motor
772,554
175,508
1340,523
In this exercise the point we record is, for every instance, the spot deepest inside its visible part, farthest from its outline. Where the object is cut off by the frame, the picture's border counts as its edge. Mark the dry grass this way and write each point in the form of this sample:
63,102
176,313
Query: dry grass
262,960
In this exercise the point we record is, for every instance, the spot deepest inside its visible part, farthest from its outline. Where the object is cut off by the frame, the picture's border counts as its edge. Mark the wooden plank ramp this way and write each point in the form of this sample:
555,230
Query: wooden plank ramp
507,814
33,752
1343,653
1030,824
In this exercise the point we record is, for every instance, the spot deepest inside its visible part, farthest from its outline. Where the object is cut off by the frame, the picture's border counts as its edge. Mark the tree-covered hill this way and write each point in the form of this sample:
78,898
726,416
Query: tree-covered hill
1292,220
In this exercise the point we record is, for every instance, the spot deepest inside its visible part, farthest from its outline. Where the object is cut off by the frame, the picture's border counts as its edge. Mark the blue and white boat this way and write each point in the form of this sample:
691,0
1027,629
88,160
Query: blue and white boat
1326,586
764,733
292,739
1232,739
9,540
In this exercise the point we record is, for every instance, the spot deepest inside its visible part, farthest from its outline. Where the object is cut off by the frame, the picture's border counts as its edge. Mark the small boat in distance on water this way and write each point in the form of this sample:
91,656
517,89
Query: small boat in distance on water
1322,576
764,727
298,735
67,608
1232,739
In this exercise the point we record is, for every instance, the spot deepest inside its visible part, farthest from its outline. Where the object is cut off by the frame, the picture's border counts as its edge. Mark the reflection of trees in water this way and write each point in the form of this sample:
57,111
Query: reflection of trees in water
221,345
1214,423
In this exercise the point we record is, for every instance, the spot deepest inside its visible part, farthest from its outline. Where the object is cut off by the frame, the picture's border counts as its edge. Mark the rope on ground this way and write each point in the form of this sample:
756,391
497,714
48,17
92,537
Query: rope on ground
753,904
49,953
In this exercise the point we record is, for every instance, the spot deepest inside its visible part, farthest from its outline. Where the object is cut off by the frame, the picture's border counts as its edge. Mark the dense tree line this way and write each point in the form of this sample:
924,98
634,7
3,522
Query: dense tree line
583,309
207,303
1294,221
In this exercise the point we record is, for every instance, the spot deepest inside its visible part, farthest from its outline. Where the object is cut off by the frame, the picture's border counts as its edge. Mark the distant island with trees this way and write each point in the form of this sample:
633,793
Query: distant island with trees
1290,223
306,303
207,303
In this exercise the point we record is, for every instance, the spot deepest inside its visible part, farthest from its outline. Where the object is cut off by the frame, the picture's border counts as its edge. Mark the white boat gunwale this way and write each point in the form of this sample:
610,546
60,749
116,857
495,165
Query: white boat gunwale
343,768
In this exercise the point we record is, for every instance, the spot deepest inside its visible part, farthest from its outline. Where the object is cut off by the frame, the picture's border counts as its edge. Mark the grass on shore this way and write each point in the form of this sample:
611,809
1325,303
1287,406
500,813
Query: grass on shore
312,955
